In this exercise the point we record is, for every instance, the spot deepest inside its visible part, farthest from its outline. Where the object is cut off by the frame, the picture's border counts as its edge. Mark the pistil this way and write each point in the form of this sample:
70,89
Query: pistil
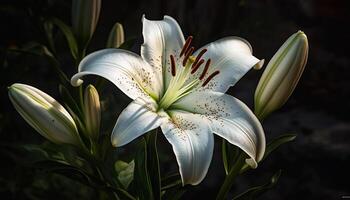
180,85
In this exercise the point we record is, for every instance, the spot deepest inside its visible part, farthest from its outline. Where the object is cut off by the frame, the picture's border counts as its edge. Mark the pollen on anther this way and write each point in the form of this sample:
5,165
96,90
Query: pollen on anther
186,45
206,67
196,67
210,77
173,66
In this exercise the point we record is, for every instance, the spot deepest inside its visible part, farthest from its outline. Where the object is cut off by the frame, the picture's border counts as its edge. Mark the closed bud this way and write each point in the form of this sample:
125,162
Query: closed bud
116,36
281,75
85,14
92,112
44,114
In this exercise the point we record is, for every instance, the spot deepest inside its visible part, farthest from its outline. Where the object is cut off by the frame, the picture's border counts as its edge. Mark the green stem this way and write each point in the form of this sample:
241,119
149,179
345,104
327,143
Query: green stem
234,171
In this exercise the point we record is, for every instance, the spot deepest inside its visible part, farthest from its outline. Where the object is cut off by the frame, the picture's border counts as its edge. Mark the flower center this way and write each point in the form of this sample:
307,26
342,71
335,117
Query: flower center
187,77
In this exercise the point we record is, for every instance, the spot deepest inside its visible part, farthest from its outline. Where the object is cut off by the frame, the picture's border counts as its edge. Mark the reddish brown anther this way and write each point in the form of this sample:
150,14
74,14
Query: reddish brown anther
187,55
199,57
196,67
173,66
210,77
206,67
186,45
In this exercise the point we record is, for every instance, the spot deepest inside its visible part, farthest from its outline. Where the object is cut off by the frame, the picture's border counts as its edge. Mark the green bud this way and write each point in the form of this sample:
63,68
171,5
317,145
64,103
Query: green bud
44,114
85,14
116,36
281,75
92,112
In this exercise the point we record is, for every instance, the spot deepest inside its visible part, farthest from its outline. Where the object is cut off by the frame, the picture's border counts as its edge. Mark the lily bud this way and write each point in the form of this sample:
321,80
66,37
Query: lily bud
44,114
116,36
92,112
281,75
85,14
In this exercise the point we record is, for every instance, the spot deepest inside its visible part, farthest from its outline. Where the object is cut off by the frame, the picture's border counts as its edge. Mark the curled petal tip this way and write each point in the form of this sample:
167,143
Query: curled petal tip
75,81
259,65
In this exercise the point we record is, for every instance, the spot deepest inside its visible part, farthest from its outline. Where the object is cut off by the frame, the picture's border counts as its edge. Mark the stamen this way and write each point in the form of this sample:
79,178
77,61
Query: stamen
186,45
196,67
187,55
206,67
199,57
173,66
210,77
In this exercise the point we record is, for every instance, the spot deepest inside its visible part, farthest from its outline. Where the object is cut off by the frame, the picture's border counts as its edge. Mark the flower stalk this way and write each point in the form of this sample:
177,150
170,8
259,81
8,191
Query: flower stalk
231,176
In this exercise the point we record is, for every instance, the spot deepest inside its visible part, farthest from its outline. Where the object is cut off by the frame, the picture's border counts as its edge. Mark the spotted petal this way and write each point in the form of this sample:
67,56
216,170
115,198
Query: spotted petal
135,120
161,38
232,56
135,77
229,118
192,142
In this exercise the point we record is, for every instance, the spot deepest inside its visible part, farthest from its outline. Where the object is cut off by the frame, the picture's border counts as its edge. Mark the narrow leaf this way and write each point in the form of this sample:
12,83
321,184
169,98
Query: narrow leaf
254,192
229,155
67,32
142,181
153,164
277,142
273,145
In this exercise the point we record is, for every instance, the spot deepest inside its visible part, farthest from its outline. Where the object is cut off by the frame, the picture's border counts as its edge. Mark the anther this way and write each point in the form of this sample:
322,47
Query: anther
186,45
210,77
196,67
206,67
187,55
173,66
199,57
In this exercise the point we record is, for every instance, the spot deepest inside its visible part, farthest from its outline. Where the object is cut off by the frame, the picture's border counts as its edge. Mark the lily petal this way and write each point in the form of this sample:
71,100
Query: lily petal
135,77
232,56
192,143
136,119
229,118
161,38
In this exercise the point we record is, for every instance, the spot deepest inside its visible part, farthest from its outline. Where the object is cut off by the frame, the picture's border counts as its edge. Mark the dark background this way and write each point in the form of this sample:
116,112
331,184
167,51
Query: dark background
315,165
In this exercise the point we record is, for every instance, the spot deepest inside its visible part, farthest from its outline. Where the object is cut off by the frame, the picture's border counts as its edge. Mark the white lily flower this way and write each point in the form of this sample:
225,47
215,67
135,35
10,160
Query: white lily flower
181,91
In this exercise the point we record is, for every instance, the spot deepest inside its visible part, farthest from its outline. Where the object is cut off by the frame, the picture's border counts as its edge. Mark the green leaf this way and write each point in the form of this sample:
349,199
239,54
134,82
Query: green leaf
273,145
125,172
254,192
66,154
141,176
230,154
48,28
174,194
277,142
170,180
67,32
37,49
69,100
153,164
